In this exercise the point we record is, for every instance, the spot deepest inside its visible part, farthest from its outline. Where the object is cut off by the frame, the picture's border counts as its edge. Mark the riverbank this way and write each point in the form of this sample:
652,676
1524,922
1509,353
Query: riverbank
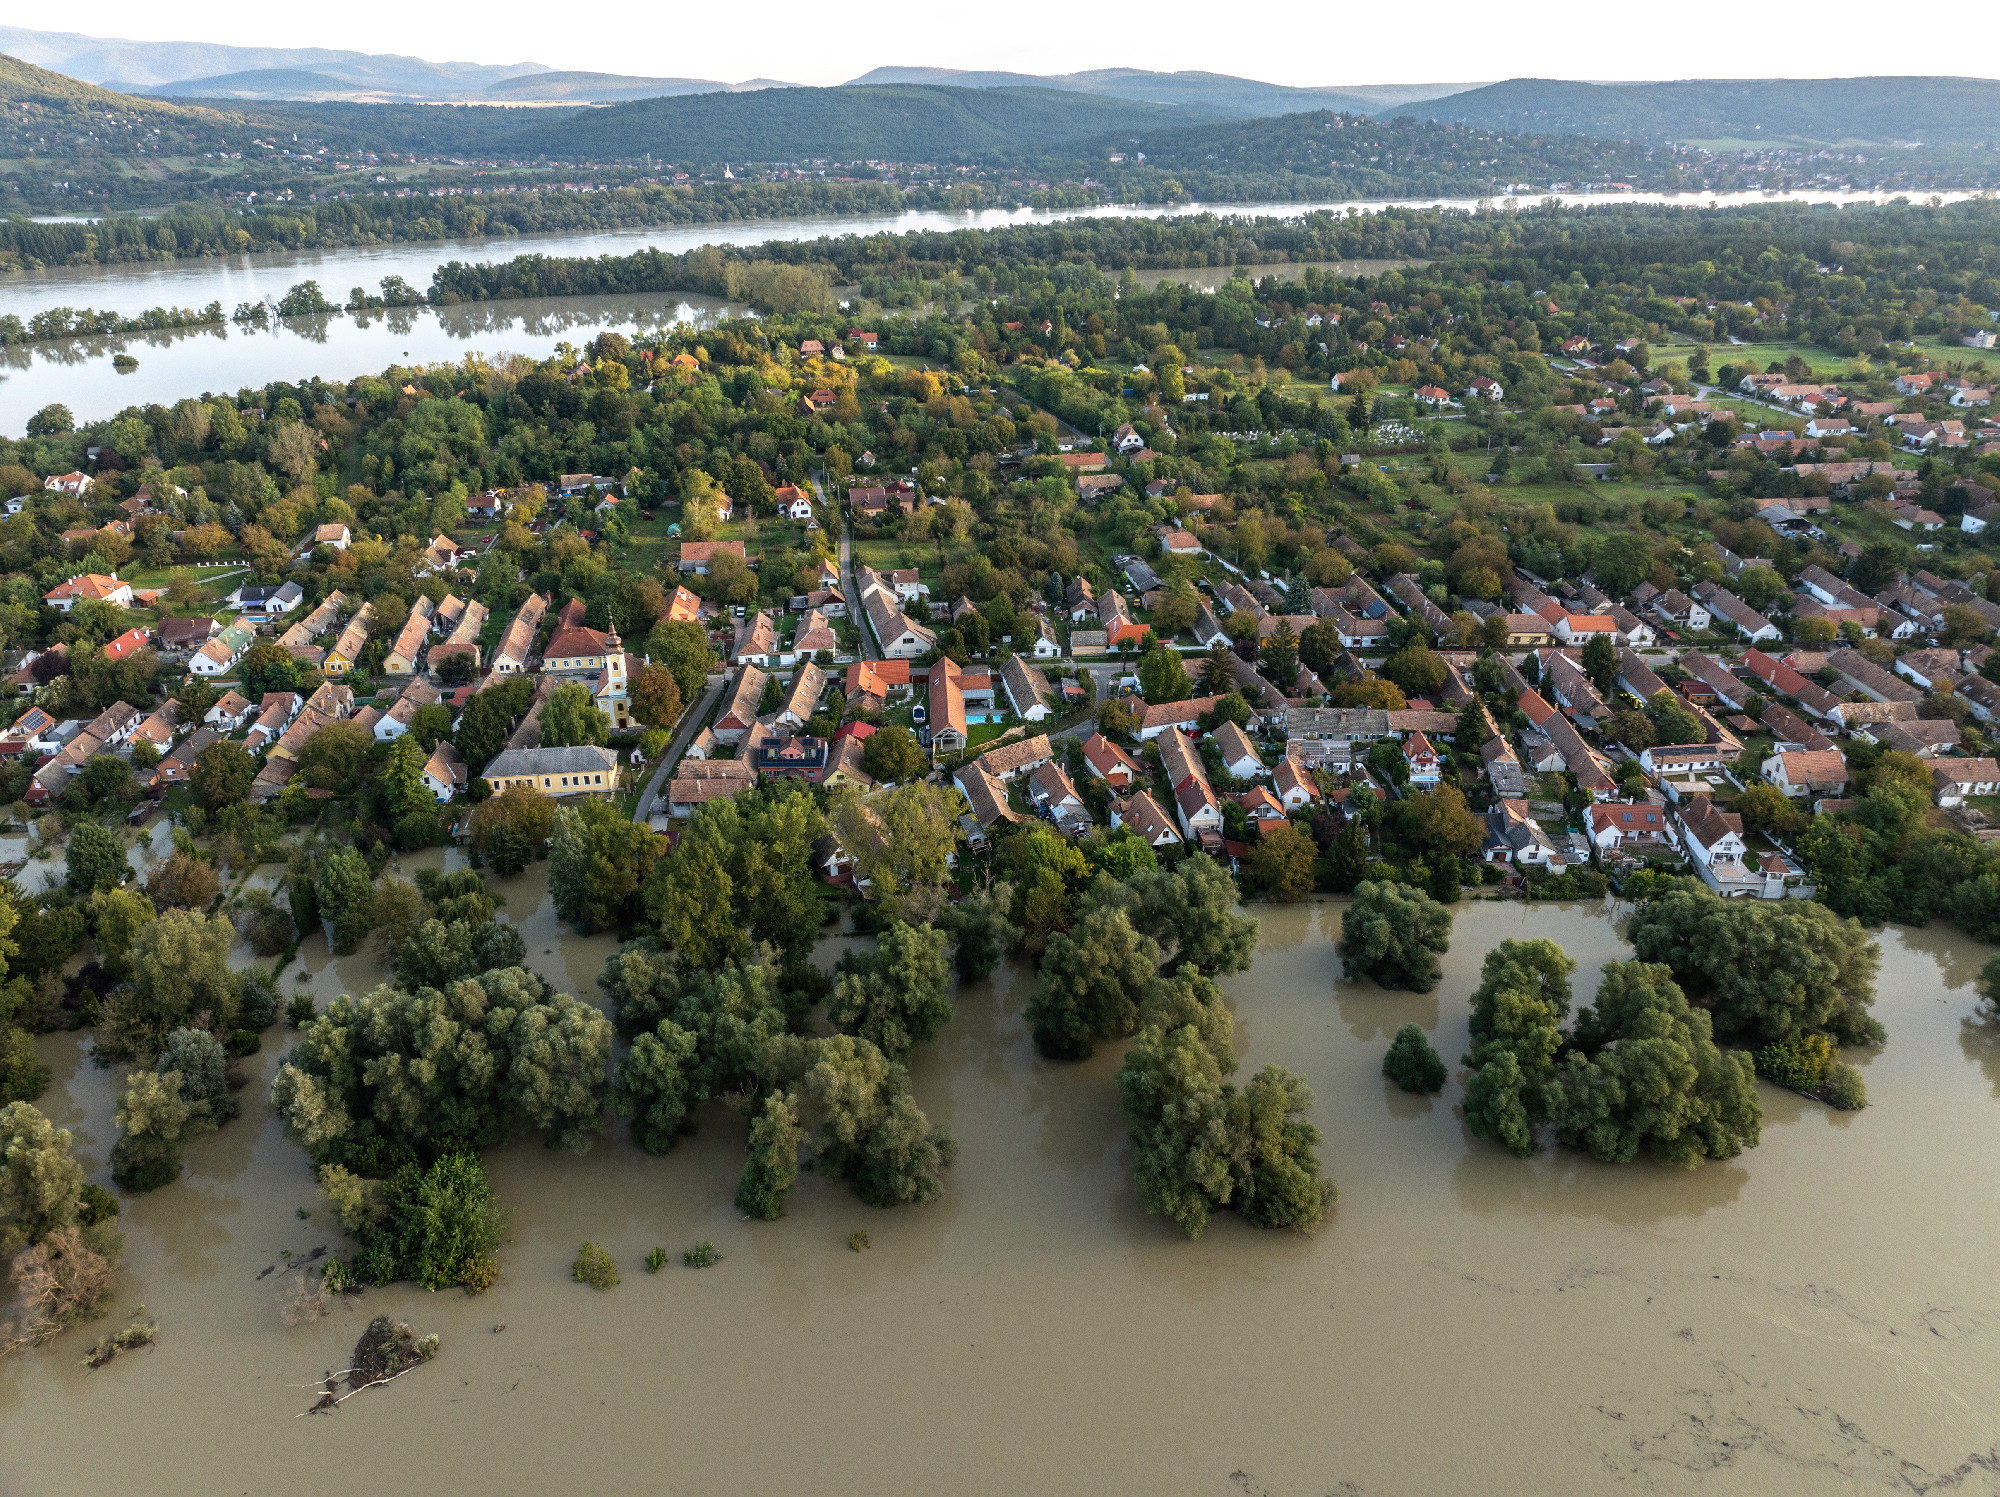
1816,1313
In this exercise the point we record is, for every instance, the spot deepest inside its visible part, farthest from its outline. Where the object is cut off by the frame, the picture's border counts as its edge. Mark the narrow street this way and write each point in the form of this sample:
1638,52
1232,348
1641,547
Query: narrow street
847,587
690,725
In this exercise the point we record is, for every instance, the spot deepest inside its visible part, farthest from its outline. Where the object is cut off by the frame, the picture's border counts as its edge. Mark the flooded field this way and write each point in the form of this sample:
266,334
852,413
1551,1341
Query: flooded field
1819,1315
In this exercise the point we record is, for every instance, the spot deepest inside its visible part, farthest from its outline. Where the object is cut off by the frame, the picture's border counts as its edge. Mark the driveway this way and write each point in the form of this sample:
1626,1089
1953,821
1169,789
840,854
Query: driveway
691,723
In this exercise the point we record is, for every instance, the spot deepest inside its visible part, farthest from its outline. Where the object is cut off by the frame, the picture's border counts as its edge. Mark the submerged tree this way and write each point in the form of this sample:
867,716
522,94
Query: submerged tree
1394,935
1412,1063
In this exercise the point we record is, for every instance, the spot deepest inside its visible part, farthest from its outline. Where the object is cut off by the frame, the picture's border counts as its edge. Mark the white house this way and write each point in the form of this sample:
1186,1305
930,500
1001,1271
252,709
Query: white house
1426,768
1807,772
1955,779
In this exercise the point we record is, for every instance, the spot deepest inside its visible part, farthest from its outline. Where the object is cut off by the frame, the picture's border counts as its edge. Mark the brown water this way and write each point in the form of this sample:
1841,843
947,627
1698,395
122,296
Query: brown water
1817,1316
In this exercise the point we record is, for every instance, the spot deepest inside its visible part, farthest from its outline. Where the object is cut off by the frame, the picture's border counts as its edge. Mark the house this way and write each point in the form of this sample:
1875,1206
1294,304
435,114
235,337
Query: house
345,653
517,643
585,769
1740,616
698,556
985,794
228,713
1784,679
403,656
1931,669
1789,730
444,772
1110,763
870,683
275,715
1196,805
699,781
1712,682
1713,841
738,711
1051,789
1955,779
388,726
1525,629
1027,688
1513,835
177,635
1677,608
1293,785
1612,826
946,731
1239,754
1635,676
899,637
1142,815
91,586
794,503
1673,761
1863,675
267,602
794,756
220,654
1807,772
158,729
1018,758
1045,645
129,643
1426,768
802,701
1327,735
1483,388
756,642
1156,718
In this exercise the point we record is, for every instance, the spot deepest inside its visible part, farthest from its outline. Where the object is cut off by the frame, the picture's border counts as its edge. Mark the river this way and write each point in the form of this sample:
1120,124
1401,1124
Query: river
79,373
1820,1314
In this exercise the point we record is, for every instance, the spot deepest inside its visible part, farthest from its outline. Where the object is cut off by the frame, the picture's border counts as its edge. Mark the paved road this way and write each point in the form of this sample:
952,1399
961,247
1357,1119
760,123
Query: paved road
690,725
847,587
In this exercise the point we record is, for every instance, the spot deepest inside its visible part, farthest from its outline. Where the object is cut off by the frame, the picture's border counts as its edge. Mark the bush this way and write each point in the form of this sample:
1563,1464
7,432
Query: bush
594,1267
1845,1089
299,1012
1412,1063
656,1260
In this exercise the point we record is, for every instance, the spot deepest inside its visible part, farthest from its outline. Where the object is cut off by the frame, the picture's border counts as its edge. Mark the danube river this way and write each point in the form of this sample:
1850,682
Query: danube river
79,374
1818,1315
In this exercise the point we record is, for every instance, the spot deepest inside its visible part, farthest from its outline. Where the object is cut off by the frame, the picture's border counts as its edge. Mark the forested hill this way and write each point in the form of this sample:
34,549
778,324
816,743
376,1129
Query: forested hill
904,123
1771,111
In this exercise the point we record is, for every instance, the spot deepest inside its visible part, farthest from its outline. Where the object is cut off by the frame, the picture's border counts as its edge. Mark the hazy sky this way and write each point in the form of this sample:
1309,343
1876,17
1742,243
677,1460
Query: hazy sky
1282,41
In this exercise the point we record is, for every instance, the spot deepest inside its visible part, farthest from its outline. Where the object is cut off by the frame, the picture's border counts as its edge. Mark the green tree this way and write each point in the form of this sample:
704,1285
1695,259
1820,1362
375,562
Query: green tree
1280,655
1193,907
1441,823
1345,863
682,647
410,800
1517,1011
1092,979
1162,677
1767,970
656,697
1177,1112
1320,647
346,896
892,756
1281,863
1416,670
903,841
598,862
222,774
96,858
180,975
1600,663
376,1080
571,717
1394,935
900,996
652,1087
116,917
983,933
508,828
41,1184
1648,1076
163,1110
1412,1063
1673,723
773,1165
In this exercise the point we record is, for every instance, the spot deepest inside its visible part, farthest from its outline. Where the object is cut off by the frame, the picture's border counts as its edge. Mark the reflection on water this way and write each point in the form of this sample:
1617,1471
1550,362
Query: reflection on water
1819,1314
177,363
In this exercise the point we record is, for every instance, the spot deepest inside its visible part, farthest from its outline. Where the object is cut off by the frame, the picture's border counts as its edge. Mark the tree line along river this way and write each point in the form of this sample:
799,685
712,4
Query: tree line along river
1817,1314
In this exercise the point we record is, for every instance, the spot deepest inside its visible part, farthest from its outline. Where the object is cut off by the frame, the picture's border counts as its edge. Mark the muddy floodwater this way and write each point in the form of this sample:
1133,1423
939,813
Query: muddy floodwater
1821,1315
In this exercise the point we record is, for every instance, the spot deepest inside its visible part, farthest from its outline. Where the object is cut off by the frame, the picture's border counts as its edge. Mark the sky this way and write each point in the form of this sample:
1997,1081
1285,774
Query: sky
1301,42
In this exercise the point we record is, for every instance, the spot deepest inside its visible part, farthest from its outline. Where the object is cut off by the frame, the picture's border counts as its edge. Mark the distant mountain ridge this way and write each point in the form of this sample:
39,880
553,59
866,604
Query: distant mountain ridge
905,122
1242,98
1806,111
130,66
